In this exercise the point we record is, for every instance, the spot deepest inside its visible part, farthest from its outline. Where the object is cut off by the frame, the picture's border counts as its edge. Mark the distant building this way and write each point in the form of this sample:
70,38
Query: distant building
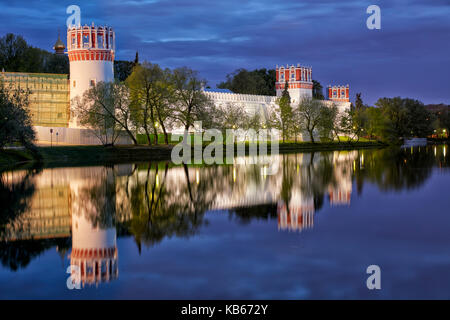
299,80
59,46
338,93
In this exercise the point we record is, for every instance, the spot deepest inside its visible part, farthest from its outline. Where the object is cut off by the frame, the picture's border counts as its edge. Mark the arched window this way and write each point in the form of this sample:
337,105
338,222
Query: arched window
85,41
100,40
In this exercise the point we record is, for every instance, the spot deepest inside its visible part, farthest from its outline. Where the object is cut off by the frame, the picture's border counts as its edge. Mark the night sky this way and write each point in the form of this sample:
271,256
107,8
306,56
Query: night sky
408,57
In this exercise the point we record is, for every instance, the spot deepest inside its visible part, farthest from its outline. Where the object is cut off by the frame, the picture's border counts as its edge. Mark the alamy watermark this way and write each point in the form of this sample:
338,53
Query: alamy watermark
74,280
74,20
374,280
374,20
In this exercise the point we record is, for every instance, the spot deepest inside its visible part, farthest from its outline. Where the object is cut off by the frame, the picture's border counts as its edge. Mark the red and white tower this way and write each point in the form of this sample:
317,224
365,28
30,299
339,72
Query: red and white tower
94,251
94,256
299,79
338,93
91,52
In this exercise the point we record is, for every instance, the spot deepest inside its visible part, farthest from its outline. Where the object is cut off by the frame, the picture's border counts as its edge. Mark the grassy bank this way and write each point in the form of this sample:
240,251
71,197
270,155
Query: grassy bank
91,155
12,158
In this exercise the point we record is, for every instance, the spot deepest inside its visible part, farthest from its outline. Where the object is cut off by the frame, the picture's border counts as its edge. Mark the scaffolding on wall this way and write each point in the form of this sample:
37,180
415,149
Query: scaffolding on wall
49,96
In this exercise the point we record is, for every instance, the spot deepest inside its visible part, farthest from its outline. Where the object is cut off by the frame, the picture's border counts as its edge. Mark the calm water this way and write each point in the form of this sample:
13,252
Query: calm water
159,231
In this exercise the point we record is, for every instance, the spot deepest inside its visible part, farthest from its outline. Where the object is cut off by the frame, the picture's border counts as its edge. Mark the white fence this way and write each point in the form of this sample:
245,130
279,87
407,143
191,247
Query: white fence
73,136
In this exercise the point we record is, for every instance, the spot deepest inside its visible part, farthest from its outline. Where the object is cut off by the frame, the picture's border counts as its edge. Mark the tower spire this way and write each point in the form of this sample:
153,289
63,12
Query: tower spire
59,46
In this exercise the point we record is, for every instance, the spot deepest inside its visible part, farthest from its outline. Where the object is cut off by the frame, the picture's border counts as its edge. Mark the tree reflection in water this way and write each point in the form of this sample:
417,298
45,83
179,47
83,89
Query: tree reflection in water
152,201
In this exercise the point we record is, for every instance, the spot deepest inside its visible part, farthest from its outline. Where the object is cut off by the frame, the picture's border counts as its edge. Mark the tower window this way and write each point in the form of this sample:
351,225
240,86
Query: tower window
74,83
100,41
85,41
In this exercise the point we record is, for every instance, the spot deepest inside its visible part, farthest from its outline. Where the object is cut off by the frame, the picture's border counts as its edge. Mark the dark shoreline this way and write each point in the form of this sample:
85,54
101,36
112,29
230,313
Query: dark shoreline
64,156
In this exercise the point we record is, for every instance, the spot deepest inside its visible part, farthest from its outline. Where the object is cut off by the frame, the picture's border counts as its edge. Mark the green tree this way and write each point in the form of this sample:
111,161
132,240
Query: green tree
309,115
17,56
327,125
152,97
317,90
123,69
259,82
230,116
397,116
191,104
105,109
376,124
282,118
420,120
353,123
15,120
358,101
12,52
405,117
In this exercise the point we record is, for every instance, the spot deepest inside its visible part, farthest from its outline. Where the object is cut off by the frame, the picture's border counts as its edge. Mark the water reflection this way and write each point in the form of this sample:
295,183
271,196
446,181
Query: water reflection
84,210
93,202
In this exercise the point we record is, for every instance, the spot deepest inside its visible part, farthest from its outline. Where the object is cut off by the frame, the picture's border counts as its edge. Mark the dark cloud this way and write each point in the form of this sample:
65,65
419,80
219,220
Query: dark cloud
407,57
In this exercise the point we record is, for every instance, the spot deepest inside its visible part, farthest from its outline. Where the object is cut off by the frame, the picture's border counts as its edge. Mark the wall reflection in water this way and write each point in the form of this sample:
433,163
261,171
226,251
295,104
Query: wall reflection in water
83,210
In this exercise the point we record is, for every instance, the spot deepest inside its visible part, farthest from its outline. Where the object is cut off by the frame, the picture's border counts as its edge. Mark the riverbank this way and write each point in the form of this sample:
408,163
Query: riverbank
92,155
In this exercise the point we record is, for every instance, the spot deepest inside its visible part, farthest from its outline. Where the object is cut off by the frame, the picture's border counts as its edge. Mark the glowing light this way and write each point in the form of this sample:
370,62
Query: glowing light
234,174
445,151
157,181
197,176
435,151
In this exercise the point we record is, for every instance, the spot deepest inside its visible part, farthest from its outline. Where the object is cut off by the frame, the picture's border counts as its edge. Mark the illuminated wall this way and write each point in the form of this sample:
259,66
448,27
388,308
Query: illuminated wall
49,98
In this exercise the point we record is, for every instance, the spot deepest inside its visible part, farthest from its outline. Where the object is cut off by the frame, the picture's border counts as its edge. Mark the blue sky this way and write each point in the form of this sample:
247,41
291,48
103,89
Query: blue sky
409,56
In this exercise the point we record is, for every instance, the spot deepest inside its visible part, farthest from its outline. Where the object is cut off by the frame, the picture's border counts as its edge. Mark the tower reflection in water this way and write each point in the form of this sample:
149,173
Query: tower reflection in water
296,209
94,250
152,201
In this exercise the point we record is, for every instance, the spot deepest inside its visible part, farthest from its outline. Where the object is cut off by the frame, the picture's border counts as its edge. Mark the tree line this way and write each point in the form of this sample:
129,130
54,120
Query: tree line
16,55
390,120
148,100
152,101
